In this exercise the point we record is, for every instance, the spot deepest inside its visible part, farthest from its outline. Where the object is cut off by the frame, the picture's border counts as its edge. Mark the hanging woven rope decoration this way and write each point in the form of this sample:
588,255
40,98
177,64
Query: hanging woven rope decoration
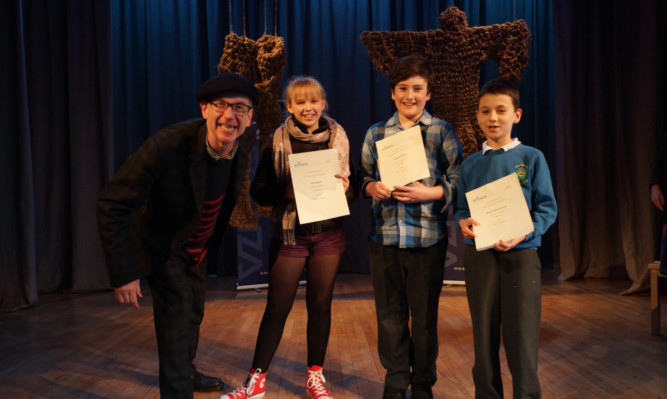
262,62
456,53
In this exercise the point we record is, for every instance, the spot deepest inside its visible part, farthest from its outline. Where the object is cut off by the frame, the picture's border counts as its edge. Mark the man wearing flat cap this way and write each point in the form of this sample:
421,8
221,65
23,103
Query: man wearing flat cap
162,210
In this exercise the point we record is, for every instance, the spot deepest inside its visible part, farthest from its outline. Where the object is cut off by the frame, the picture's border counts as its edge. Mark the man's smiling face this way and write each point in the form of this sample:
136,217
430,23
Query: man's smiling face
224,127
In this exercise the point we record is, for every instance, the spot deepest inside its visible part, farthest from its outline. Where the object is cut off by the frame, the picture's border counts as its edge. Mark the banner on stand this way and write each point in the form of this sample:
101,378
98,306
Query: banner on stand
253,255
454,270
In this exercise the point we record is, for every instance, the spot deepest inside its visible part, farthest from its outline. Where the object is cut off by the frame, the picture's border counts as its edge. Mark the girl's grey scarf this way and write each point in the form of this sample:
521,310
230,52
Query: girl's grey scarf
282,147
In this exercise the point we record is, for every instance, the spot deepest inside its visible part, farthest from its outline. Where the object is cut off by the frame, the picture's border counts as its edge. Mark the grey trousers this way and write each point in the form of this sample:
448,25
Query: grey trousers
504,296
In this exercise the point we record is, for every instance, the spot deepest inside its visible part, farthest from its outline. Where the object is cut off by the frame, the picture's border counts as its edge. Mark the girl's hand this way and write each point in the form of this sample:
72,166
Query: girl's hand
346,181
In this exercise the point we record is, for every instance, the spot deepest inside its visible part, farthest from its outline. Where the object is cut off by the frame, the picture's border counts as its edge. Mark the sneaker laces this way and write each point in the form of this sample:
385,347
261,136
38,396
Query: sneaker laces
245,389
315,381
238,393
252,380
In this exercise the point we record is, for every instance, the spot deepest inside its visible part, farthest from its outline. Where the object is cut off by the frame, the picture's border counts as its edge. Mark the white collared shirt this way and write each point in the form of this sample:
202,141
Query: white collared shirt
515,142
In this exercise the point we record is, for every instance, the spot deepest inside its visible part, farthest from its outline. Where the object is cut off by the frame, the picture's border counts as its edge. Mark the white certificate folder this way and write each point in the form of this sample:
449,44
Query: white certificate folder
401,158
501,210
319,194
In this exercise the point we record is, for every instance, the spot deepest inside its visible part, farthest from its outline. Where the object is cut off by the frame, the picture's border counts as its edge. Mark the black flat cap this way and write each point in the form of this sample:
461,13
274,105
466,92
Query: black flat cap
226,82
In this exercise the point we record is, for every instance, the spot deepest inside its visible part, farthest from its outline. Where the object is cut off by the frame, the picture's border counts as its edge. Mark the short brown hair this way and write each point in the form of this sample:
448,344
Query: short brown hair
409,66
501,86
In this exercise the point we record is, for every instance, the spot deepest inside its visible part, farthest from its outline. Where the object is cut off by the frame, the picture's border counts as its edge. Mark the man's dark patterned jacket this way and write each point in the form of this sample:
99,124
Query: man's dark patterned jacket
149,209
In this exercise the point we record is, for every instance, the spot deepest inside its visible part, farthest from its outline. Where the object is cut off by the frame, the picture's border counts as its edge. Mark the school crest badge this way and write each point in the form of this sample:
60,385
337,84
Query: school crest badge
521,171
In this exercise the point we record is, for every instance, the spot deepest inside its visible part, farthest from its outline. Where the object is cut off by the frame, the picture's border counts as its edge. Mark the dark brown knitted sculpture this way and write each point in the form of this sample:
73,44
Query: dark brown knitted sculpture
262,62
456,53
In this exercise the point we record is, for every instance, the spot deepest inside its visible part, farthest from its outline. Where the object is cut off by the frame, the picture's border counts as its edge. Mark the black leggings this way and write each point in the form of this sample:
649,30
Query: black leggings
284,279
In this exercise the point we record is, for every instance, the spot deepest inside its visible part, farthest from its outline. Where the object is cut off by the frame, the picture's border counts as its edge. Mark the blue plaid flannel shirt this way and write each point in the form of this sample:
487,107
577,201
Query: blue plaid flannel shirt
418,225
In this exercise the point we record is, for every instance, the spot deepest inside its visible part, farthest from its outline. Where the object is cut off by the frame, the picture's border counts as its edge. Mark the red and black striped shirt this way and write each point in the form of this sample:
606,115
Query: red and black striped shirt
217,179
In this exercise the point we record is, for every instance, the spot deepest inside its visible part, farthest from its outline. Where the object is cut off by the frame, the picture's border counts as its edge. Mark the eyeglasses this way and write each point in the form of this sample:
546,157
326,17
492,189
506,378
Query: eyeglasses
238,108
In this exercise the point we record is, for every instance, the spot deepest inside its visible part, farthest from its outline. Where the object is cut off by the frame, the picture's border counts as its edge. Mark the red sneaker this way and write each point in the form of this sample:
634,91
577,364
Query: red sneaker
314,383
252,388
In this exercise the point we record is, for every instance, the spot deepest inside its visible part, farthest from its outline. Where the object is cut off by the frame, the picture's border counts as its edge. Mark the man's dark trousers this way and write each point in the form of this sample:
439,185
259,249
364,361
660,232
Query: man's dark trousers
178,290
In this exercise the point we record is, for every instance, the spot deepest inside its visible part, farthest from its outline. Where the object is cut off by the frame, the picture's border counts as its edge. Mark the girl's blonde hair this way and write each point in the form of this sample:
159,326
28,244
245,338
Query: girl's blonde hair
303,85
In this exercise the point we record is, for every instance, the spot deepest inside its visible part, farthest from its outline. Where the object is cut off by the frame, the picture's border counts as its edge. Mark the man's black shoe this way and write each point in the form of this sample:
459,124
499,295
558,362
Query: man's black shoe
422,390
204,383
393,393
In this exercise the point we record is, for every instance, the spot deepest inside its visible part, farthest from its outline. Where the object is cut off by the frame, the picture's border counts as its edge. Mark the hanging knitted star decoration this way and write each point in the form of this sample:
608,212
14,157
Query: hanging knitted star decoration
262,62
456,53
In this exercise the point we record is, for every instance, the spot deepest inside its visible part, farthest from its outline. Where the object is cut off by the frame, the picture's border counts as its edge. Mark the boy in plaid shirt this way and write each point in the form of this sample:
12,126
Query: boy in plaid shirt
408,236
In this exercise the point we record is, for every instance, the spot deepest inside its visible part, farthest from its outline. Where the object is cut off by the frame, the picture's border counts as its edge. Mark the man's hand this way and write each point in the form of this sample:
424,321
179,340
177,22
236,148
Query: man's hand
128,293
657,198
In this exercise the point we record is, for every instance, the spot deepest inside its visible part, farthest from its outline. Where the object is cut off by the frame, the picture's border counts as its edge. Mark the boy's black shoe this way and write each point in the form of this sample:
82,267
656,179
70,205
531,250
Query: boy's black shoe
204,383
422,390
393,393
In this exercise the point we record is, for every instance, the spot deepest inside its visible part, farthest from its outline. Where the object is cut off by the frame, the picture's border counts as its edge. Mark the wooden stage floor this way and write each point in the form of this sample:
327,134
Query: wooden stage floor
594,343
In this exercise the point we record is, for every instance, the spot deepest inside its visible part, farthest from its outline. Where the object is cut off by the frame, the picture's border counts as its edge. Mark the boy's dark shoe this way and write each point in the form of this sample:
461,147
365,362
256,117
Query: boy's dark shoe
422,391
204,383
393,393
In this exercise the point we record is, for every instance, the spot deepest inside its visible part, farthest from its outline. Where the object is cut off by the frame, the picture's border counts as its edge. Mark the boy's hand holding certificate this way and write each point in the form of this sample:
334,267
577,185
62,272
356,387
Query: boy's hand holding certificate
501,210
318,193
401,158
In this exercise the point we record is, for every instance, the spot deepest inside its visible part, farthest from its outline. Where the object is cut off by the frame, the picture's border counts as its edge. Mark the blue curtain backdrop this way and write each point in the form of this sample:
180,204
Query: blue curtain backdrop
56,124
89,81
610,102
162,51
